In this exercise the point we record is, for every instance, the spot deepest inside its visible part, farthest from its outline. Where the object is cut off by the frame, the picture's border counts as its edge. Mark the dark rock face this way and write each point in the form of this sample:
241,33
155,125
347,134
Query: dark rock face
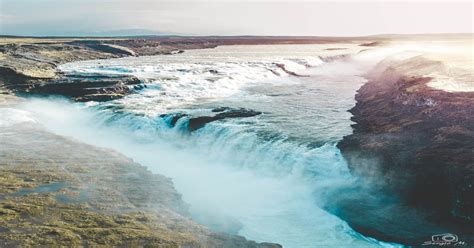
78,88
292,73
418,143
89,88
195,123
199,122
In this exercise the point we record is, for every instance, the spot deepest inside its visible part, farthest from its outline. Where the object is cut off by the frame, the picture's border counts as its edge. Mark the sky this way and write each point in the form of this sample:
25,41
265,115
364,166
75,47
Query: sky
230,17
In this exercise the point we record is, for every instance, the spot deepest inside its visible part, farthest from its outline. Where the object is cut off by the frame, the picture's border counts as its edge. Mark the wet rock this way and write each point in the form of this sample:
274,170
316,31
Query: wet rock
195,123
224,113
292,73
221,109
139,87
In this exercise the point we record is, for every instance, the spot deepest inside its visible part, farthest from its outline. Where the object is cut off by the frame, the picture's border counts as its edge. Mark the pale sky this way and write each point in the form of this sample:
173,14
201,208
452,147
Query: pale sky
267,17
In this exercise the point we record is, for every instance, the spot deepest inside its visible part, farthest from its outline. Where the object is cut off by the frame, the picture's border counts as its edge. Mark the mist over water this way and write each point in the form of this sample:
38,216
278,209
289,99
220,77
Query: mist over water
264,177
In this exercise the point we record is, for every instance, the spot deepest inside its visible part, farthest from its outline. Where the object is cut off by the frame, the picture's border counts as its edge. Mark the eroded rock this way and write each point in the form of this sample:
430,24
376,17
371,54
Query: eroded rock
89,88
417,143
196,122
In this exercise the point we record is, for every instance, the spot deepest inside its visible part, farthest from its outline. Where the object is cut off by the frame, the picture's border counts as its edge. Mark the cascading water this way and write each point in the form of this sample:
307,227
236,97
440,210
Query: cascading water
264,177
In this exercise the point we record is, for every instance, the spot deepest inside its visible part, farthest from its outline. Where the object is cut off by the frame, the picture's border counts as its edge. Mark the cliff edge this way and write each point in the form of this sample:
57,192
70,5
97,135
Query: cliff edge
416,143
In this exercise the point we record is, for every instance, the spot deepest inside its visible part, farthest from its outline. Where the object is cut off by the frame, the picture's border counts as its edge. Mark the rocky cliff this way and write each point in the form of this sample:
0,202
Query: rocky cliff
417,143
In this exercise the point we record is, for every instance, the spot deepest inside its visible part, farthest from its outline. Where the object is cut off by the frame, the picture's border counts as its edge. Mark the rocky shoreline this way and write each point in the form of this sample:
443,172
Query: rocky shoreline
416,144
31,68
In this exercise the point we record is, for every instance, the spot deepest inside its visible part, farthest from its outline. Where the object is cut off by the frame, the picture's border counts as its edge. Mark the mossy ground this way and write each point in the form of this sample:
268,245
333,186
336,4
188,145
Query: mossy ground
58,193
40,219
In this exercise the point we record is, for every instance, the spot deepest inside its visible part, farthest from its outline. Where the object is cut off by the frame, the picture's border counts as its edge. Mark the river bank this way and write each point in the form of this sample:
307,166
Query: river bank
413,138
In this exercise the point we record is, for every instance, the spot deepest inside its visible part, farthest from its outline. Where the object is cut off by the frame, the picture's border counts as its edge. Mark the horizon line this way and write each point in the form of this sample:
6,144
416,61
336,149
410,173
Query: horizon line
227,36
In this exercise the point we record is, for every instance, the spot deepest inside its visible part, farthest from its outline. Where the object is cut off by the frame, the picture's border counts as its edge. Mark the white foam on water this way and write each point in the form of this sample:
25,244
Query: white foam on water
267,189
174,81
227,175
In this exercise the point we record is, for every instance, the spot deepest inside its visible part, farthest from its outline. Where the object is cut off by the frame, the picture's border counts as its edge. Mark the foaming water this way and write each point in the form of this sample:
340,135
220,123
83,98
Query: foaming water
267,191
264,177
174,81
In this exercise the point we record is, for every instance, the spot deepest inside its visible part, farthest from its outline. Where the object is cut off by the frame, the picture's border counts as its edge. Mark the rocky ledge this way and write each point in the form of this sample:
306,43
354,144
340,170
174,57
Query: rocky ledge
415,143
194,123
